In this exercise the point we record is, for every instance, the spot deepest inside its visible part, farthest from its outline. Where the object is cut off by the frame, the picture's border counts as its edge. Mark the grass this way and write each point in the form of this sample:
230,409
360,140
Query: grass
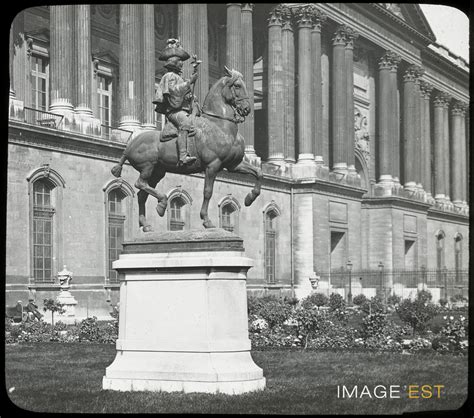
55,377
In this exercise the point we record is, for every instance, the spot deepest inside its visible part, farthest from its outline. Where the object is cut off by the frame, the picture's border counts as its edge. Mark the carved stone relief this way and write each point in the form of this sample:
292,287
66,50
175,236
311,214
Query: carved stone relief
362,138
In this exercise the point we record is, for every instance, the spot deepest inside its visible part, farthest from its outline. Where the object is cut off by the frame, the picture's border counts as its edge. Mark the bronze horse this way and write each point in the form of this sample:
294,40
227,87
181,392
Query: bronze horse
218,146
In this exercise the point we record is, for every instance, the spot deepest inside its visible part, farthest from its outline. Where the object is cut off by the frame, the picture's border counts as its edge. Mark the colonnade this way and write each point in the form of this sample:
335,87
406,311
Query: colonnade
433,123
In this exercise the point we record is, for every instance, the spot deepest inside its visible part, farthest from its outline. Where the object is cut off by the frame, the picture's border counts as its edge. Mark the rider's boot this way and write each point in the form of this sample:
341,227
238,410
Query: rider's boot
184,157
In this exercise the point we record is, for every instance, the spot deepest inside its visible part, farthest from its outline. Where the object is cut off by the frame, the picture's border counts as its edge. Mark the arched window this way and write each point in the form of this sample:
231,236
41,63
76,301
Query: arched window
440,250
118,195
270,224
229,214
177,222
43,220
178,209
458,256
45,187
116,226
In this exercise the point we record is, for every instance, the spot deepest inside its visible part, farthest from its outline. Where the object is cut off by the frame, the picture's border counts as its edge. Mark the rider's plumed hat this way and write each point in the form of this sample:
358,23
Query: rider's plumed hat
173,49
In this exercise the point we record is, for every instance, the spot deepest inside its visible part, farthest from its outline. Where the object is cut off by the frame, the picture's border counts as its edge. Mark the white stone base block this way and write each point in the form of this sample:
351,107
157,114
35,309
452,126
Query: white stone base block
183,316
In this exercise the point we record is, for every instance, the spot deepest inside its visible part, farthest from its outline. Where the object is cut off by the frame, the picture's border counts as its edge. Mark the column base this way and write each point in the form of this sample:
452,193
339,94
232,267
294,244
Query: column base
148,126
61,107
251,156
306,159
129,124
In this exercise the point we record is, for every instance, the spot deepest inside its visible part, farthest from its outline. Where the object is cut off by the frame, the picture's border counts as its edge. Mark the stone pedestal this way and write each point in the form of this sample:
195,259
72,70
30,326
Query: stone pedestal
183,315
69,305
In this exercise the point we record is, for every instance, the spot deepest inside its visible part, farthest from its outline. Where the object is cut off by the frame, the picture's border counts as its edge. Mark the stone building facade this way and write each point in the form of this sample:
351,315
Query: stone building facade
360,125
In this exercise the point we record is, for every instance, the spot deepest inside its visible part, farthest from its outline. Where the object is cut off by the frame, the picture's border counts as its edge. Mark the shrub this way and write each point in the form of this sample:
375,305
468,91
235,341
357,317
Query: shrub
454,335
272,309
417,313
443,302
374,325
393,300
458,298
375,304
359,300
336,302
424,296
310,322
89,330
315,299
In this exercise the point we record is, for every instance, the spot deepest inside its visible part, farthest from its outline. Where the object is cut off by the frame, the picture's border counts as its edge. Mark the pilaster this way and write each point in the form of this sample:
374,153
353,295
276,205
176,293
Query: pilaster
438,154
457,166
426,89
351,36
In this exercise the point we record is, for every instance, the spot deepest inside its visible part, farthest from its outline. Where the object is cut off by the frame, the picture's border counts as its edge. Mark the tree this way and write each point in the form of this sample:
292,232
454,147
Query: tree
55,307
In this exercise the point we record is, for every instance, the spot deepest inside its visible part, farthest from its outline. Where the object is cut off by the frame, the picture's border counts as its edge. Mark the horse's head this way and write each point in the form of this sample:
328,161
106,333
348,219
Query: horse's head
235,92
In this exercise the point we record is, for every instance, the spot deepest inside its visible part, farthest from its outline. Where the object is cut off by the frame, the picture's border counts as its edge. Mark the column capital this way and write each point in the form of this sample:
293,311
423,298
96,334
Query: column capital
413,72
318,18
233,4
351,36
339,36
287,17
248,7
458,108
440,99
304,16
426,89
389,61
275,16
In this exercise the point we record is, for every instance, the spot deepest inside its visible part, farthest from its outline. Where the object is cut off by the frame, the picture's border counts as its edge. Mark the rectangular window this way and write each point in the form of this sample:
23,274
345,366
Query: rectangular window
39,82
270,247
42,245
116,233
104,98
410,254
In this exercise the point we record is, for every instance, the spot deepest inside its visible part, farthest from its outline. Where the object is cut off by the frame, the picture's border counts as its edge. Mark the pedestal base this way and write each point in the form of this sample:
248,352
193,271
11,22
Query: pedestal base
183,316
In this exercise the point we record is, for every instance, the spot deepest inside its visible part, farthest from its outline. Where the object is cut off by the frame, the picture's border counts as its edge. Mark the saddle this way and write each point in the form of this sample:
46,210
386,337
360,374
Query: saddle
170,131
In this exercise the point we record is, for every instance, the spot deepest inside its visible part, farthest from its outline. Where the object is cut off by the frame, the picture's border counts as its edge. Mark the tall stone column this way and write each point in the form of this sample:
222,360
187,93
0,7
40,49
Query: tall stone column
275,87
247,128
325,97
129,72
234,32
426,89
385,113
394,123
305,134
83,65
409,127
418,129
351,35
456,154
186,33
318,19
288,56
339,97
61,59
438,154
446,160
148,33
465,155
202,52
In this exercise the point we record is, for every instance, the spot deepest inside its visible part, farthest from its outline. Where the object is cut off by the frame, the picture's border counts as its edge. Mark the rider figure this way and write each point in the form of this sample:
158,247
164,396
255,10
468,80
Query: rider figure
177,97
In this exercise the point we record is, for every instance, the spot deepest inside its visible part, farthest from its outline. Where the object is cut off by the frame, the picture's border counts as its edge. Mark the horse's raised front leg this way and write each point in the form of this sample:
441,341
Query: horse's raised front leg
211,172
148,179
245,168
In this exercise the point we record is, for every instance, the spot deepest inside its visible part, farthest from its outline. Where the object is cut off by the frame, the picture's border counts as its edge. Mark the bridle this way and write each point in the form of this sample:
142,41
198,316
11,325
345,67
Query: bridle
237,118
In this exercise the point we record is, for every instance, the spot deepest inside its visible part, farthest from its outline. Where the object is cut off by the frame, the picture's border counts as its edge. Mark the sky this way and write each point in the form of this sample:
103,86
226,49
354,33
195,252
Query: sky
450,26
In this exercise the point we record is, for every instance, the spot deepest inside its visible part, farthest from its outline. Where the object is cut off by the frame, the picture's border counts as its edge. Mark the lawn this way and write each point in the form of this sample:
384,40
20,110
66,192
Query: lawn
56,377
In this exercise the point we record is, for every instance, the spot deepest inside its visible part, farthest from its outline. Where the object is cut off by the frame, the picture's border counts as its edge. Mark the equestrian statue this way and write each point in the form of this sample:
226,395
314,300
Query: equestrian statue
194,139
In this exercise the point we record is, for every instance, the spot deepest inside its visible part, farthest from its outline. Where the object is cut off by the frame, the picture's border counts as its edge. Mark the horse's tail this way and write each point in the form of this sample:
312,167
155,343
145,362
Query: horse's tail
117,169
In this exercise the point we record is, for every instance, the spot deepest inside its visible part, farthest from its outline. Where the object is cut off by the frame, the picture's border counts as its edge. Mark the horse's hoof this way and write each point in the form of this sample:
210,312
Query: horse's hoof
208,224
147,228
161,209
